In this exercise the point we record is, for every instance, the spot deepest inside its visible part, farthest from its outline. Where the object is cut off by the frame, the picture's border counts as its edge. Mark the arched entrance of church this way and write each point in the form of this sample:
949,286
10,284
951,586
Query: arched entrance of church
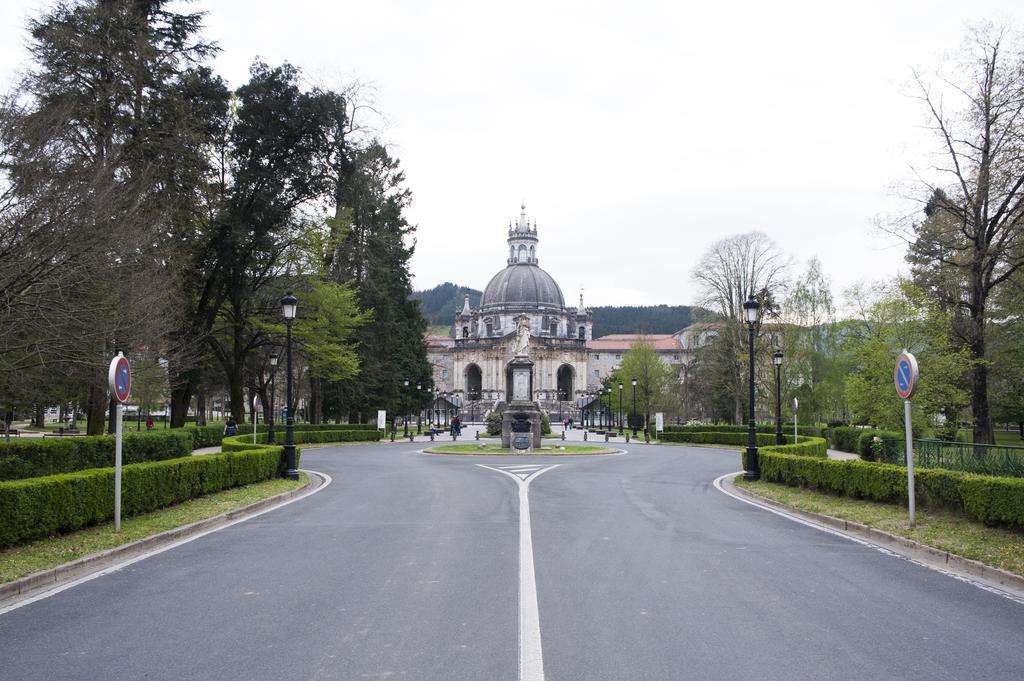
474,382
565,380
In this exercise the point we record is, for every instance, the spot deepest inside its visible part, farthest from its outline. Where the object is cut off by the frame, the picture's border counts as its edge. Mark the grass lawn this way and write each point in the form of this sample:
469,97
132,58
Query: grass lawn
1010,438
42,554
496,449
942,529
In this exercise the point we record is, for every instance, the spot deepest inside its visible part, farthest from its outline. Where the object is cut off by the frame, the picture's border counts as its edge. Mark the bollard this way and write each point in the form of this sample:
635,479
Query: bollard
584,436
606,436
431,436
392,435
563,434
647,437
627,438
411,436
477,434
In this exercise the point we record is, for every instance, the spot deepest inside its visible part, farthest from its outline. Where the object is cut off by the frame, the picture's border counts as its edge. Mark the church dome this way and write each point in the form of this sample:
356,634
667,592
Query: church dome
522,286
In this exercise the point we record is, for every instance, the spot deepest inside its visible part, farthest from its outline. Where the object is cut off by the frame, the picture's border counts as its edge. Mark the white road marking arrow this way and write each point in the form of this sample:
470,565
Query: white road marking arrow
531,658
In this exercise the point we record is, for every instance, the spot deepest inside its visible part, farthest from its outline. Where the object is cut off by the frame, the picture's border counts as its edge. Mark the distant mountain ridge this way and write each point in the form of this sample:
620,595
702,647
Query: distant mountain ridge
441,303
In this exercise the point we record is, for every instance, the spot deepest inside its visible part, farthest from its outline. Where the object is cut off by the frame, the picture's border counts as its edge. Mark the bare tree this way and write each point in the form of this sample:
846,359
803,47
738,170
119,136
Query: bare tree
734,269
975,229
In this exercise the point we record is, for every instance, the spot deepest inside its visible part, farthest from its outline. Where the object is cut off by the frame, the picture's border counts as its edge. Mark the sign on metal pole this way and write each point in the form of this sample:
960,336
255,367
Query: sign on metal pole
120,379
255,418
796,407
659,422
382,419
905,377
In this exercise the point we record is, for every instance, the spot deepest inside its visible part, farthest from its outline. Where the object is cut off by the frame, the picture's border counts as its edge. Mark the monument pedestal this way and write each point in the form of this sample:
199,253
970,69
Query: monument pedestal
521,420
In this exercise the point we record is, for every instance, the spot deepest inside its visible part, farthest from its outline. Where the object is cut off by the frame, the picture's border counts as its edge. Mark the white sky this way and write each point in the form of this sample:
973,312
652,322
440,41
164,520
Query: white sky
637,133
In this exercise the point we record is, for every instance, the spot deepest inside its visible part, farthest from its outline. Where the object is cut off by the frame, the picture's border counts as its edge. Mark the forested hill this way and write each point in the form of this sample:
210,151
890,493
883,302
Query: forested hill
441,303
642,319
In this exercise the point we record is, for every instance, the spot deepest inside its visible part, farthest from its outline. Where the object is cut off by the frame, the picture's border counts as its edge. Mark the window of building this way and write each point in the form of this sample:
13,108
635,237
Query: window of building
597,374
490,329
618,356
444,373
597,356
554,328
583,333
675,357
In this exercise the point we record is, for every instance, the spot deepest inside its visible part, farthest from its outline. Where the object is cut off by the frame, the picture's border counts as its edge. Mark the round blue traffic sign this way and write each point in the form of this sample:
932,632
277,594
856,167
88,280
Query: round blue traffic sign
905,375
120,378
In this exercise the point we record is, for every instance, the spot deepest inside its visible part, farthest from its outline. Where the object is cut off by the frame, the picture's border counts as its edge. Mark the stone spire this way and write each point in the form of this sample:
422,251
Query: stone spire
466,311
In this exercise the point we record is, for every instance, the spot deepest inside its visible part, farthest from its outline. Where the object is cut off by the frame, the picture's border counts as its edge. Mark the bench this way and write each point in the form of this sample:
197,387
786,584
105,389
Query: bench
13,432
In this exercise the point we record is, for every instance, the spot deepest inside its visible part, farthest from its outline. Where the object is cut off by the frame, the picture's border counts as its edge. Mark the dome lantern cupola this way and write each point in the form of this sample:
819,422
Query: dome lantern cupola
522,241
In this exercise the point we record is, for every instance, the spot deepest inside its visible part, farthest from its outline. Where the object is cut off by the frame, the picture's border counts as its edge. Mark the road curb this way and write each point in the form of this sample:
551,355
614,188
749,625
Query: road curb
944,560
81,566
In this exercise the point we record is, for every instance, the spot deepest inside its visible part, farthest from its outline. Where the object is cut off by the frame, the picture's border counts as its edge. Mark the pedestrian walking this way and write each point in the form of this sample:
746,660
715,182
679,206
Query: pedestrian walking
456,426
149,423
231,428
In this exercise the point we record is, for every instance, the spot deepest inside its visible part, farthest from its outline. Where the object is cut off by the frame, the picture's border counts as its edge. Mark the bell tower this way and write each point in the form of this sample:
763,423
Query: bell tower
522,241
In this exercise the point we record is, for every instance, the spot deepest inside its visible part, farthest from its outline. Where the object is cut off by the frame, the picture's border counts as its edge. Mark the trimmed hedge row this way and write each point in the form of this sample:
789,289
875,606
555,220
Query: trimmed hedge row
34,457
807,446
860,440
813,448
787,429
719,438
992,500
40,507
211,435
242,442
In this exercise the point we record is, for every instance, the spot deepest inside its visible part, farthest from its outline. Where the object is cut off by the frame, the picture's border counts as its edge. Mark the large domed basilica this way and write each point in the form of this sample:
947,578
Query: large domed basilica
484,338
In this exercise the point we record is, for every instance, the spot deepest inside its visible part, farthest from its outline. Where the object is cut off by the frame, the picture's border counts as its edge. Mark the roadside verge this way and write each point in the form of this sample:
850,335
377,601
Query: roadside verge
985,576
41,584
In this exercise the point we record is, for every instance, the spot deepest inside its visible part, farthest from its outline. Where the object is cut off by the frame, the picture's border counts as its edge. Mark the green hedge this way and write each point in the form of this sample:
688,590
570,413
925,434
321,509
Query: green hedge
211,435
787,429
868,448
723,438
40,507
992,500
811,447
34,457
241,442
844,438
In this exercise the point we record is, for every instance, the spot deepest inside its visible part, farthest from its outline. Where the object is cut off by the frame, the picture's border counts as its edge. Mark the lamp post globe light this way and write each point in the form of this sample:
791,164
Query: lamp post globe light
751,467
270,417
289,306
620,408
633,418
777,360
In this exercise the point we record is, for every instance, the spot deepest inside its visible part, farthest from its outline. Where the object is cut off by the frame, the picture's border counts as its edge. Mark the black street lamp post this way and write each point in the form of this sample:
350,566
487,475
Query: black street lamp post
289,306
270,415
620,408
751,468
777,359
611,424
419,409
405,409
634,407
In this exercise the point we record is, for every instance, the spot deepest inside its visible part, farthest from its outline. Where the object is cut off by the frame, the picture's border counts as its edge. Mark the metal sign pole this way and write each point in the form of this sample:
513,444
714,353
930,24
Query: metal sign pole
910,460
905,376
117,466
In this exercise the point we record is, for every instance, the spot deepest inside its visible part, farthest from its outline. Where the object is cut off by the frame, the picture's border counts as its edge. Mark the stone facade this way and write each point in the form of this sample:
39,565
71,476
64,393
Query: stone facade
568,363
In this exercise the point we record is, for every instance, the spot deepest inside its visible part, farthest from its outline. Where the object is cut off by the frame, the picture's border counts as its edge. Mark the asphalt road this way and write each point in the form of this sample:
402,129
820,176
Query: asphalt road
407,567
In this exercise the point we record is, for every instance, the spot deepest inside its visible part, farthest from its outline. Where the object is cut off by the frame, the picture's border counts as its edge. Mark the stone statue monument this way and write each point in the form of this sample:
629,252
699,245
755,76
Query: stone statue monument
522,336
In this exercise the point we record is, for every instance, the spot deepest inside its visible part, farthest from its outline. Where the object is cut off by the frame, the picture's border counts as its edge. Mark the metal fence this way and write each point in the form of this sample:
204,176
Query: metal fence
957,456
